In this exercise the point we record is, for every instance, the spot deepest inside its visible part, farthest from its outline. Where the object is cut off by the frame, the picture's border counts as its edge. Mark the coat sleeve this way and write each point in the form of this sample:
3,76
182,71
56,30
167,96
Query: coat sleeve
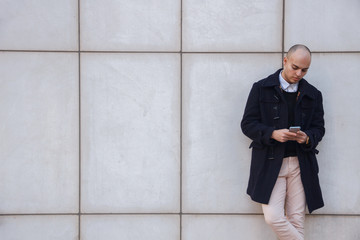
252,124
316,130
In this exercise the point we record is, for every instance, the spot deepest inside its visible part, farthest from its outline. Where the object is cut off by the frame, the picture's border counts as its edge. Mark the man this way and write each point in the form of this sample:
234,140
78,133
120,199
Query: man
284,169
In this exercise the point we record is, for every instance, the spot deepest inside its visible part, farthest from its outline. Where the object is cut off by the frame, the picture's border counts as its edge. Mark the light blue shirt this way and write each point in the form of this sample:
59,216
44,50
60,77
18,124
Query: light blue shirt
287,87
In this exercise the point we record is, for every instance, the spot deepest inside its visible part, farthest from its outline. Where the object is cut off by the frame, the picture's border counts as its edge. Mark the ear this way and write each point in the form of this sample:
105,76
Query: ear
285,60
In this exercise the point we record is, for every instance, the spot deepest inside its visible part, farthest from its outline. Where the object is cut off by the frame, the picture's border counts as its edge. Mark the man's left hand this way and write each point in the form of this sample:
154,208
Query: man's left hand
301,137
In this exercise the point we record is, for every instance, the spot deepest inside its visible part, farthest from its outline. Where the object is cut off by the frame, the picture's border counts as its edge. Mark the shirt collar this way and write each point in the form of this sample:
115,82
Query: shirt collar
287,87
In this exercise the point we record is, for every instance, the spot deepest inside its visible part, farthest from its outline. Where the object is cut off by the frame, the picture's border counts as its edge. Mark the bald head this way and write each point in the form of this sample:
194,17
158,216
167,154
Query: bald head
298,47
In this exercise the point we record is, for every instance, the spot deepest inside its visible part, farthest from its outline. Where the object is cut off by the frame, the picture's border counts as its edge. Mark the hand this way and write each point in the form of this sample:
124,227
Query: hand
284,135
301,137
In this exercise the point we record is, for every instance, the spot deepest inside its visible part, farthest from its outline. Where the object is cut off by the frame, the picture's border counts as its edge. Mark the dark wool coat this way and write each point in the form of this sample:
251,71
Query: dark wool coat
265,111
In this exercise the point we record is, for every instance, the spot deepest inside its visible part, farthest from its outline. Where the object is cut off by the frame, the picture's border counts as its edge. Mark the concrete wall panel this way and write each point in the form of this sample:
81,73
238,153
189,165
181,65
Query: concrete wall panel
232,26
39,150
332,227
135,227
323,25
130,132
216,157
214,227
337,76
38,227
145,25
39,25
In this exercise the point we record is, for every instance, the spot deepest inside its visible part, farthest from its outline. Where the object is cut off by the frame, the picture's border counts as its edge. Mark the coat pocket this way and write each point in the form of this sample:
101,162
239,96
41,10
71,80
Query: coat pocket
307,108
270,106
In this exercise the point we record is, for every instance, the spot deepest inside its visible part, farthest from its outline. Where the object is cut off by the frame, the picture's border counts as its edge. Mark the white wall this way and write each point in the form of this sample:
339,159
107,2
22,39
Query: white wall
120,118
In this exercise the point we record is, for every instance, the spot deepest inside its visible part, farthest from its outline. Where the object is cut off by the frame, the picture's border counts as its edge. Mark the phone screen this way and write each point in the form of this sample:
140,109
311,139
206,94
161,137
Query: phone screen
294,129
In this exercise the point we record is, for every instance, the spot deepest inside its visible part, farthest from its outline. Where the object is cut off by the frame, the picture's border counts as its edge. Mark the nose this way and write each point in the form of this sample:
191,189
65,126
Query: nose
298,72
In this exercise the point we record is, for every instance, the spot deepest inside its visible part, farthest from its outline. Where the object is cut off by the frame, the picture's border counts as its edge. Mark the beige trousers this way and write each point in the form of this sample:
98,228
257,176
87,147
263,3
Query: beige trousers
285,212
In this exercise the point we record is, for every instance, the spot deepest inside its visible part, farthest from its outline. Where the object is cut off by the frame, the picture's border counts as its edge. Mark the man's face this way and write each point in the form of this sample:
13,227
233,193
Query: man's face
296,66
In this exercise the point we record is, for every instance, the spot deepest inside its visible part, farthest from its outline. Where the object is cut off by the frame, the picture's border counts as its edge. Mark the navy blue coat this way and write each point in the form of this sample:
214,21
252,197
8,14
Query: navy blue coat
265,111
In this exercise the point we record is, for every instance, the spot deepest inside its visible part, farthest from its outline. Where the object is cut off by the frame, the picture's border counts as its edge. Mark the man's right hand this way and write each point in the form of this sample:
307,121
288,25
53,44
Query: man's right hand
283,135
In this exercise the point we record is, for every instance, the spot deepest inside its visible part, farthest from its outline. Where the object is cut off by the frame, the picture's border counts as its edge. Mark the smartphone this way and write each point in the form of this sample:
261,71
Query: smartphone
294,129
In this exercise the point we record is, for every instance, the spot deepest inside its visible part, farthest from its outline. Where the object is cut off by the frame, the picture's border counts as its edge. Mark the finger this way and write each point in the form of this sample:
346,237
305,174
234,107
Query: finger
301,133
300,139
290,134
